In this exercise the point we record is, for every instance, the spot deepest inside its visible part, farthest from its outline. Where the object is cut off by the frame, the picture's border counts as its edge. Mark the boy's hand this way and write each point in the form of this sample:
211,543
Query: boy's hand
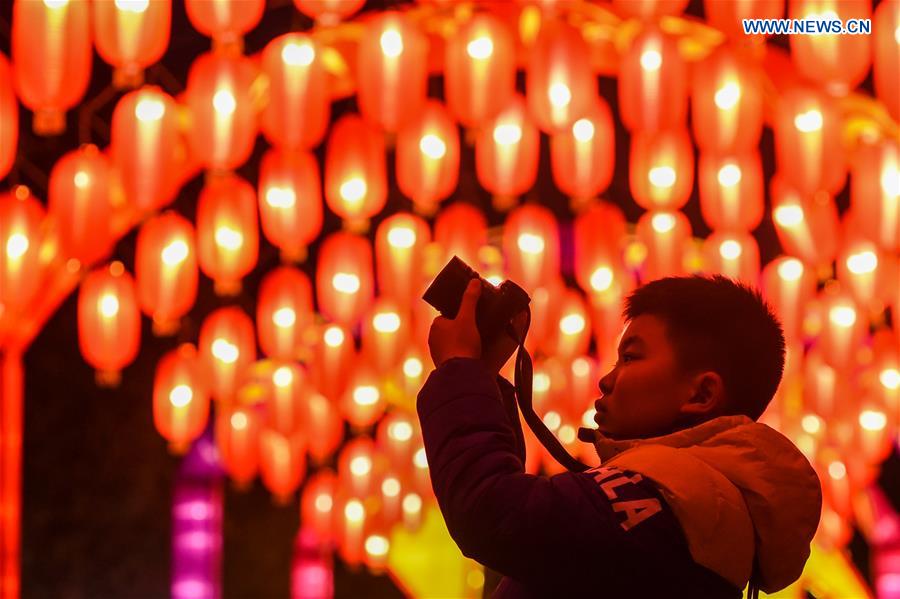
457,338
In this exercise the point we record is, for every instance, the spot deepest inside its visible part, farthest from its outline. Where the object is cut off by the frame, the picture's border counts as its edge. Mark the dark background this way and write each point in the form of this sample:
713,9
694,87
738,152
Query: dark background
98,479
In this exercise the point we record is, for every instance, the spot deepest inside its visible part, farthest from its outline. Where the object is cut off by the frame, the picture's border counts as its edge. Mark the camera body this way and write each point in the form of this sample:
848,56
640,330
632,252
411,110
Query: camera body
496,305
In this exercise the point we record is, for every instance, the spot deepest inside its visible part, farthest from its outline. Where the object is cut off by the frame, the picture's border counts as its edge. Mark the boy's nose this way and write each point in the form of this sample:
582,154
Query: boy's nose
606,383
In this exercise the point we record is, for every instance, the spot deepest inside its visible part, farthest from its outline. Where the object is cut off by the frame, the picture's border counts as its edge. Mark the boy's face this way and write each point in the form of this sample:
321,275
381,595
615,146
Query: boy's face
645,394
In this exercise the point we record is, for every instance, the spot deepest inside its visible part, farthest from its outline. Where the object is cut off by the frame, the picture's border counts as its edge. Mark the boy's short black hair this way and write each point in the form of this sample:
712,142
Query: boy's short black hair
715,323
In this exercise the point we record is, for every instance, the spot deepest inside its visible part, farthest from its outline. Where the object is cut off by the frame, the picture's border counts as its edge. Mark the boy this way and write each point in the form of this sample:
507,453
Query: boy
692,496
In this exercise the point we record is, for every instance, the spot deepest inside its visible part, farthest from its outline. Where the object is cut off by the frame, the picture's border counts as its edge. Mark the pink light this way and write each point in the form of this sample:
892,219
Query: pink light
888,585
191,589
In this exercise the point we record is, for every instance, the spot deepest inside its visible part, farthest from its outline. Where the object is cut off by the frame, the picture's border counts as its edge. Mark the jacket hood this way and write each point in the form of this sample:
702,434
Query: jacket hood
739,488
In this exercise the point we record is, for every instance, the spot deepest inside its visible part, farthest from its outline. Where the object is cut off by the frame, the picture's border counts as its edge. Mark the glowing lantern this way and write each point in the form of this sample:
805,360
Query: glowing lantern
788,287
571,334
560,83
360,467
329,12
823,387
355,171
351,517
131,35
284,312
396,436
226,21
598,260
290,201
21,235
606,320
416,364
363,402
729,16
731,190
344,281
317,504
583,155
180,400
282,463
531,245
323,427
806,228
650,9
400,243
843,328
142,142
865,271
109,323
873,436
287,389
51,55
223,127
653,83
661,169
166,269
237,438
732,254
886,368
727,102
9,118
506,153
461,230
299,105
885,59
875,192
808,144
391,497
392,70
334,355
480,69
227,348
385,335
428,157
831,59
227,233
664,235
80,204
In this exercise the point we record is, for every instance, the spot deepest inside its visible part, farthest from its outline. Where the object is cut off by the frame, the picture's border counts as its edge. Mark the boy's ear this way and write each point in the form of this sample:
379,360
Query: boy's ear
708,397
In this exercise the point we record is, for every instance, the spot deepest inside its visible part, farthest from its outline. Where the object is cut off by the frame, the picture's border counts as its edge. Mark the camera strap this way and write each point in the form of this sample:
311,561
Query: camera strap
523,382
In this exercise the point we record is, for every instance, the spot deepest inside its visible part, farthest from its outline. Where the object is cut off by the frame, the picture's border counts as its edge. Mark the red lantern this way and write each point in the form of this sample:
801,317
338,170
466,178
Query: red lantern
428,157
287,390
223,128
885,61
317,504
506,152
166,270
531,246
227,348
396,437
9,118
832,59
732,254
180,401
731,190
560,84
650,9
131,36
788,287
400,243
665,236
80,204
823,387
109,323
51,53
727,102
582,157
806,227
392,70
355,171
344,281
661,169
385,335
228,237
570,334
352,516
598,258
290,201
875,192
843,327
226,21
360,467
729,16
21,235
362,403
284,313
607,323
237,438
282,463
334,355
808,144
480,69
865,271
461,230
299,103
324,427
329,12
886,368
653,83
142,147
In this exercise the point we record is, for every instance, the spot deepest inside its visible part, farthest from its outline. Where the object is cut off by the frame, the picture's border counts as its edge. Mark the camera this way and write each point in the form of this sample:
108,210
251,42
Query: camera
496,305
